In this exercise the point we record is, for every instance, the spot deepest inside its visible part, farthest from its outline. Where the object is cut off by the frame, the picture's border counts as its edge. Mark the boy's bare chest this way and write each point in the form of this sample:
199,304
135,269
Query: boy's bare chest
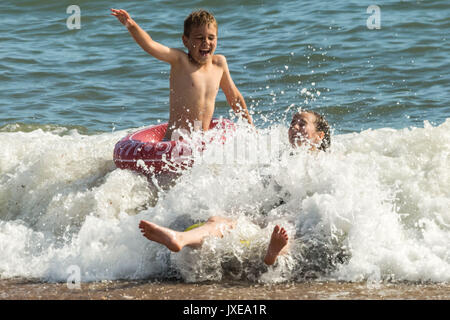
205,80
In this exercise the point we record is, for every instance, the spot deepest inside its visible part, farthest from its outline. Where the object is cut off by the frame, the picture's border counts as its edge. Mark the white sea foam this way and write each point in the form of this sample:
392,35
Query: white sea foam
376,207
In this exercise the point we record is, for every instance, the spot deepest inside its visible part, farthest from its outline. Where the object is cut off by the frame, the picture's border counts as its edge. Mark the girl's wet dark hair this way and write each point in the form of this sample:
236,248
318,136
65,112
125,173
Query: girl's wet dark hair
322,125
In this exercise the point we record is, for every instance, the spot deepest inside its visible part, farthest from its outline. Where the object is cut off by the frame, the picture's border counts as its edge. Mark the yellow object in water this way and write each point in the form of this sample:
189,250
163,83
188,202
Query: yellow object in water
246,242
194,226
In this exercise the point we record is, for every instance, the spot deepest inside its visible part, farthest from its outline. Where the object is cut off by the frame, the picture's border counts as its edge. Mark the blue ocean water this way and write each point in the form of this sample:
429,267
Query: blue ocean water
375,208
98,78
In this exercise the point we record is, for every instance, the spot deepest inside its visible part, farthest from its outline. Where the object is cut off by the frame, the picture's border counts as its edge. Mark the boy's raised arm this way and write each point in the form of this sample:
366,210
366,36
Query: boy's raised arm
234,97
154,48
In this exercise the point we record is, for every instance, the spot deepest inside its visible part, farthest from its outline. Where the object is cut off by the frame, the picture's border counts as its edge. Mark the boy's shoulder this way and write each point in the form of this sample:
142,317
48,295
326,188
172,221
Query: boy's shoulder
180,53
220,60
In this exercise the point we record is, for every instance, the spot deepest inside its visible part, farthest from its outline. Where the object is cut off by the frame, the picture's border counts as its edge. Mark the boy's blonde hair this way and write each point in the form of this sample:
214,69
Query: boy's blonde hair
198,18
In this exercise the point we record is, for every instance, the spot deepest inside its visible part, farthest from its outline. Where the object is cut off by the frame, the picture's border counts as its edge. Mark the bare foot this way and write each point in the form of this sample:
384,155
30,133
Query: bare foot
169,238
278,241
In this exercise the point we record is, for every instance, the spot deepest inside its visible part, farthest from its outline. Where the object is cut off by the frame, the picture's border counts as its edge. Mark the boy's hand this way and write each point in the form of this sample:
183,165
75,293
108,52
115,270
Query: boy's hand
123,17
144,40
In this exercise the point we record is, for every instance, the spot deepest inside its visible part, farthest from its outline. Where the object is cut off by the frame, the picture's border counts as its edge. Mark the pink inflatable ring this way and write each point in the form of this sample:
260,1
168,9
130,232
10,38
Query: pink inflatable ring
144,151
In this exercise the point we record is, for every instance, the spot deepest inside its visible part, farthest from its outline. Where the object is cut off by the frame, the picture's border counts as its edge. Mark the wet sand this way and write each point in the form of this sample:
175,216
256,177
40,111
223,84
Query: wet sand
25,289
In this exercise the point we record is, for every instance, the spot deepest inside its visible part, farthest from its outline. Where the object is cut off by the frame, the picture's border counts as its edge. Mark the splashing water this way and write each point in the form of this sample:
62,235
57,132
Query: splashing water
373,208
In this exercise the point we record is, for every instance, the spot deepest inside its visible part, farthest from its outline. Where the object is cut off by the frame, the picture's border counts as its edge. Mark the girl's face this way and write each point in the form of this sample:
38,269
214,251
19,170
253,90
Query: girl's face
201,43
303,129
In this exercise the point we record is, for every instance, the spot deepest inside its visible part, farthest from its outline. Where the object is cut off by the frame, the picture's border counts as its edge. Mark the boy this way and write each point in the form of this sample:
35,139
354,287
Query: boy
195,77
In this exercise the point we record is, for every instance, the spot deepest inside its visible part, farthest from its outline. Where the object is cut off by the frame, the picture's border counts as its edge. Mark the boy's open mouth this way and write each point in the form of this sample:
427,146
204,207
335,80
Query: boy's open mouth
205,52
